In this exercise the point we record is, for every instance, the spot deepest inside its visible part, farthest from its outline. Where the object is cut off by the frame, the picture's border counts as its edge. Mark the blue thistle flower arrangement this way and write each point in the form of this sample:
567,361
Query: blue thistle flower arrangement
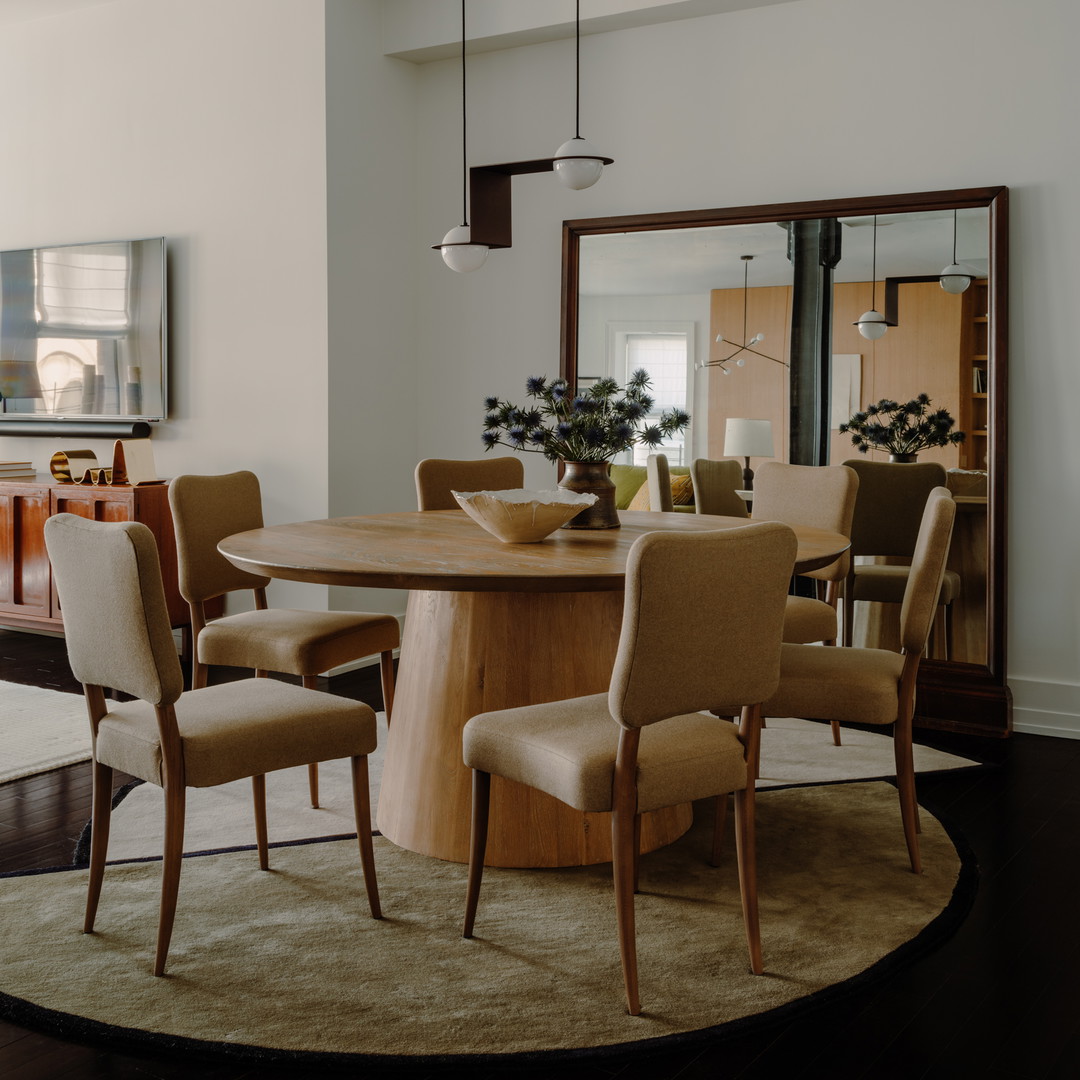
593,424
901,429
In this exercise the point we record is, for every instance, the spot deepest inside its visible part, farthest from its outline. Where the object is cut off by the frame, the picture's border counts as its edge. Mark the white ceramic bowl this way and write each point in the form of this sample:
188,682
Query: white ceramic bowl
520,516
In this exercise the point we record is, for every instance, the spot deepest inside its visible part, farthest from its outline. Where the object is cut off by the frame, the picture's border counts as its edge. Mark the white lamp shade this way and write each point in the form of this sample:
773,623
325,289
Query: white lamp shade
748,438
578,164
872,325
460,253
955,278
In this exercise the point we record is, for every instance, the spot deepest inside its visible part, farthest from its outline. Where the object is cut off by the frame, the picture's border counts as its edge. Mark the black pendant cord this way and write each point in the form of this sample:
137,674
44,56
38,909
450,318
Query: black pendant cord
464,141
873,269
745,295
954,238
577,69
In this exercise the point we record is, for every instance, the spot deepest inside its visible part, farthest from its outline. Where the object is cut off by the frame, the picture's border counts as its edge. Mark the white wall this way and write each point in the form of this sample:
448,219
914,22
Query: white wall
807,100
200,120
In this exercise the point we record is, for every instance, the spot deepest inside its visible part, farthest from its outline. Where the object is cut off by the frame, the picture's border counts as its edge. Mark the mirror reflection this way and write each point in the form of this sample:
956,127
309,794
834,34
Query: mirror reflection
709,311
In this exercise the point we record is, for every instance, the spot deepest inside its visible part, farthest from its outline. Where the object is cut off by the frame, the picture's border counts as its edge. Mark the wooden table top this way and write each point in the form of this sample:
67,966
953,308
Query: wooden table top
447,550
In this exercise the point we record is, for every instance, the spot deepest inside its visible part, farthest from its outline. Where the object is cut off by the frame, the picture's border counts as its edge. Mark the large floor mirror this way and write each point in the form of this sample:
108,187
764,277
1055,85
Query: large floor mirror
751,312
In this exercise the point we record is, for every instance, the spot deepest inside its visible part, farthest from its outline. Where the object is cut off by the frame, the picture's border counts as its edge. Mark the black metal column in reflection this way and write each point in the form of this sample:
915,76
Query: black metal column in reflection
814,250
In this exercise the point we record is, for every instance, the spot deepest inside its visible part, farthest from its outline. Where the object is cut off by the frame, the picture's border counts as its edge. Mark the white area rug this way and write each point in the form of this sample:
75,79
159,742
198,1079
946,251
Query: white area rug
40,730
793,752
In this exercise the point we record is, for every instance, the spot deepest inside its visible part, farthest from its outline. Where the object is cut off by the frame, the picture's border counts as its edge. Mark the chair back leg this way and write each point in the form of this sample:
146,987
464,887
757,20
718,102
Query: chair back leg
481,802
746,849
311,682
362,812
258,798
100,819
386,676
172,861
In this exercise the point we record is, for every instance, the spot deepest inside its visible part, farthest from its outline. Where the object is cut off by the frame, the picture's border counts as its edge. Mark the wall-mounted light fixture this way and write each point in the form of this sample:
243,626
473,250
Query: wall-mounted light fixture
487,192
955,278
459,251
872,323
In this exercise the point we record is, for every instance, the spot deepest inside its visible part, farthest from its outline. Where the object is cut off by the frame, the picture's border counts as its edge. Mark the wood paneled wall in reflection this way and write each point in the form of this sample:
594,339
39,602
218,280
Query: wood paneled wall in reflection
919,355
759,390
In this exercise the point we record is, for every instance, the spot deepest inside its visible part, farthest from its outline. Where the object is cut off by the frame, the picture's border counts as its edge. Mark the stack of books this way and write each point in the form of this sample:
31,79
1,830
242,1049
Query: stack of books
17,470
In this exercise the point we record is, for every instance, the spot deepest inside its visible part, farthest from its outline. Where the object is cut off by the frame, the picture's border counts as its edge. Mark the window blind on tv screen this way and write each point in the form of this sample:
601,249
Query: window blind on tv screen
82,331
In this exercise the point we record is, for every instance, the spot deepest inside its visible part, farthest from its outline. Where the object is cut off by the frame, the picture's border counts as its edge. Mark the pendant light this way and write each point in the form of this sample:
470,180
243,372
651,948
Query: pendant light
746,346
955,278
872,323
458,250
577,163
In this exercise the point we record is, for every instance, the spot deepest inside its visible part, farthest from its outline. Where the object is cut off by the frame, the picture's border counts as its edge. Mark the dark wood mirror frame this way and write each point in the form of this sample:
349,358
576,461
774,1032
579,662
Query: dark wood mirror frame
965,697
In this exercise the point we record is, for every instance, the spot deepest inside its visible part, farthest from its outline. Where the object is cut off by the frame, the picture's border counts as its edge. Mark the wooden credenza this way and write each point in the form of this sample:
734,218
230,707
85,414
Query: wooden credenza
27,592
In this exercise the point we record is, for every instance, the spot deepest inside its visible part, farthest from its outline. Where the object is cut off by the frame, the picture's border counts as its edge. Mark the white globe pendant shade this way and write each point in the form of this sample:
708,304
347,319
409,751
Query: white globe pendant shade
955,278
460,253
578,164
872,325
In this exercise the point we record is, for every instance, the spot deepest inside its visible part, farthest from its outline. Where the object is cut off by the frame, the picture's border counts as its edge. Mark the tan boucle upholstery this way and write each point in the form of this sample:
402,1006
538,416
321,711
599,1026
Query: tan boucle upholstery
436,478
117,634
886,584
236,730
205,510
108,579
715,487
822,497
298,642
567,748
701,624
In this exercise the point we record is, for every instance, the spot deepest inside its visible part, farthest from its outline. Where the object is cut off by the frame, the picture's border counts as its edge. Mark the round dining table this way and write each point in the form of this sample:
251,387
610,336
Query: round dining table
489,625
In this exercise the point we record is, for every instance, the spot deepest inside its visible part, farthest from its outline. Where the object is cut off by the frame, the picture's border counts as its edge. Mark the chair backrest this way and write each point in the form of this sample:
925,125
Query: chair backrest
206,509
715,485
927,570
703,619
437,477
658,477
116,622
889,505
822,496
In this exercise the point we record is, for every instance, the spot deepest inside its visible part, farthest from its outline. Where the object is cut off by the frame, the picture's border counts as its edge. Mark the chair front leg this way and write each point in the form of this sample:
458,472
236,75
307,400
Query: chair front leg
746,850
100,819
258,798
311,682
905,783
362,813
172,861
481,801
624,832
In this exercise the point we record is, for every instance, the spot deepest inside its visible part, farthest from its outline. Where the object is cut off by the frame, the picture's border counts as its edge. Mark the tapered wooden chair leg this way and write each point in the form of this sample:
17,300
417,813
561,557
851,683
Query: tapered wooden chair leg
719,825
258,799
386,677
311,682
362,811
481,801
172,861
746,848
637,851
905,782
622,850
835,725
100,819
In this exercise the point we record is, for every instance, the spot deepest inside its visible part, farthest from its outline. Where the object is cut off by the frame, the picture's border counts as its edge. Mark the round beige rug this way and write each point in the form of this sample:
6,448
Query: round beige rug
288,964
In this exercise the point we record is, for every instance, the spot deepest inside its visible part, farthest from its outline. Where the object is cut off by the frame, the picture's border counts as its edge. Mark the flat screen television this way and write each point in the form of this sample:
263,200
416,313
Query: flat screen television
83,333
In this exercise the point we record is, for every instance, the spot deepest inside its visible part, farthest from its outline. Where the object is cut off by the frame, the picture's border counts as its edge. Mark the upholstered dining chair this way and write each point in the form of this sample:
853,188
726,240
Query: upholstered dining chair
877,686
116,624
888,510
436,478
716,483
822,496
712,602
292,641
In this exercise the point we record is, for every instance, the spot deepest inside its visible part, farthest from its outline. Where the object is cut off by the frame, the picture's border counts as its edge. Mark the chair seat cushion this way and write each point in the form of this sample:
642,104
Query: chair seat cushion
822,683
567,748
296,642
238,729
807,620
886,584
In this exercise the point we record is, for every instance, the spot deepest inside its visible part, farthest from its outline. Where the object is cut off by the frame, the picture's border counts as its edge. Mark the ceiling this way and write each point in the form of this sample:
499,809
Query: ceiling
692,261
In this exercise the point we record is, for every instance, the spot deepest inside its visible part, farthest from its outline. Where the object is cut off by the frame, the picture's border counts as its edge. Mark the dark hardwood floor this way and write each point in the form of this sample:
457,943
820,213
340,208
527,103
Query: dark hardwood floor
997,1000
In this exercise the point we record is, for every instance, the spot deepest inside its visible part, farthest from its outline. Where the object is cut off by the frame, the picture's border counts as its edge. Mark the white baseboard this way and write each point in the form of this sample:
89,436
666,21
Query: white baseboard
1046,708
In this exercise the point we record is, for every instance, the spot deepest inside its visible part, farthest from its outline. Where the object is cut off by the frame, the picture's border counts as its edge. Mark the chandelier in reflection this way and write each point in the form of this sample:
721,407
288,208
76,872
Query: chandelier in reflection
736,357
